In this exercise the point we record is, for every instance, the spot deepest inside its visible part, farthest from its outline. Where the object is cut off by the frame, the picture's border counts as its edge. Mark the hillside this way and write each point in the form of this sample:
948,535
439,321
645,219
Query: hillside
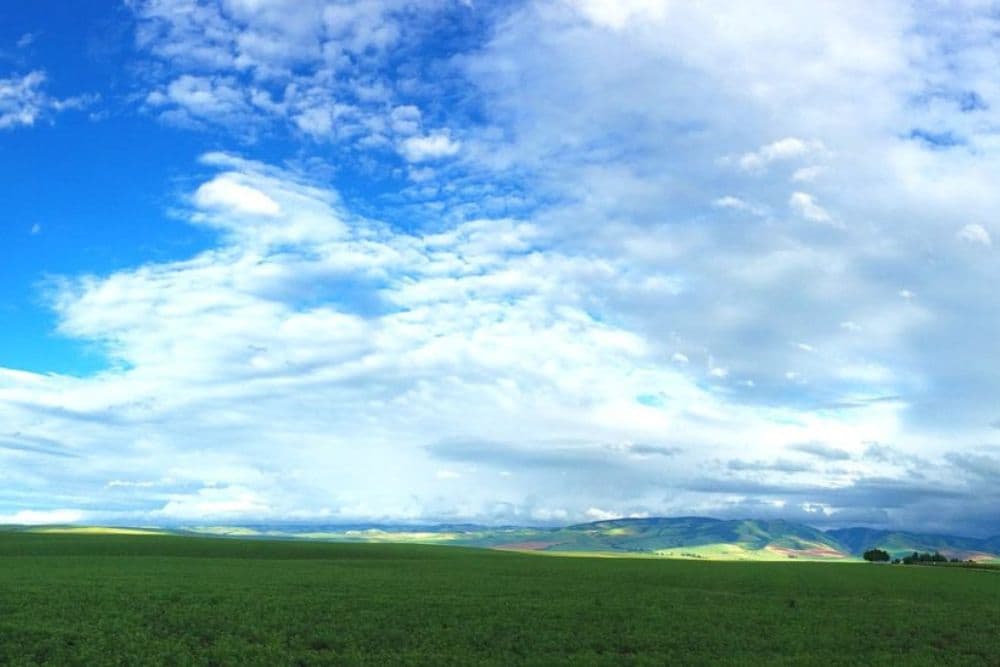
677,537
692,537
901,543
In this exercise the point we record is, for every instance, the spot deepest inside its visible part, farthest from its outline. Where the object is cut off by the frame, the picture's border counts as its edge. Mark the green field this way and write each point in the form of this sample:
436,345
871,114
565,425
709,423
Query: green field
138,600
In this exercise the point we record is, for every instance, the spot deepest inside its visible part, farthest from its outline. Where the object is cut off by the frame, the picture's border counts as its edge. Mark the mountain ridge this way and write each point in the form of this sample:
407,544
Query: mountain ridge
677,537
685,536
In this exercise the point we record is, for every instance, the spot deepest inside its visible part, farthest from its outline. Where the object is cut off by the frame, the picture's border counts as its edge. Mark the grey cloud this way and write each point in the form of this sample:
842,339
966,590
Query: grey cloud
980,465
893,455
653,450
915,505
865,402
583,456
755,508
35,445
875,492
780,465
822,451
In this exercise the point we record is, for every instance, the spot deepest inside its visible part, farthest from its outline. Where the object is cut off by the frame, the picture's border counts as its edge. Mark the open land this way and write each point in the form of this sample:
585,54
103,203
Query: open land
86,599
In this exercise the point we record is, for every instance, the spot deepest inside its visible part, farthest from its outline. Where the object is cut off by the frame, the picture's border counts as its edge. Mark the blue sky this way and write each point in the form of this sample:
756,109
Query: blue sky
525,262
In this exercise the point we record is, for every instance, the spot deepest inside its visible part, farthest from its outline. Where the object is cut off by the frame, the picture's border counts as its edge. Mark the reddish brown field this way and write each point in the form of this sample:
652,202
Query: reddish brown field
525,546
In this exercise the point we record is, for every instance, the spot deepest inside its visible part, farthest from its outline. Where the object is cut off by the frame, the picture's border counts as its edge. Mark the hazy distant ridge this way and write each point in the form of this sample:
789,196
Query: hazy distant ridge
691,537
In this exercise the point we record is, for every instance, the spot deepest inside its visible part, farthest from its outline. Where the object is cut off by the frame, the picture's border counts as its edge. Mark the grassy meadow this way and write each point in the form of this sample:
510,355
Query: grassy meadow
120,599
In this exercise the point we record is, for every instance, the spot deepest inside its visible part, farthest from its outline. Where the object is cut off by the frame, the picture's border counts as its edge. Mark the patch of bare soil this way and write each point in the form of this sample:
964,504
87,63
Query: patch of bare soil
526,546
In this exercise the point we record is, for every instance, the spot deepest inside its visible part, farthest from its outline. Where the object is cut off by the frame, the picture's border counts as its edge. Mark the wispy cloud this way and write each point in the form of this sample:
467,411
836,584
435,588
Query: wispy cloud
24,102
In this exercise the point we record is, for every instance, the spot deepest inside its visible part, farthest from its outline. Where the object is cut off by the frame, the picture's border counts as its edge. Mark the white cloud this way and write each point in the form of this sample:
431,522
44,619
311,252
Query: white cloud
617,15
310,66
805,205
973,233
126,484
597,514
223,192
784,149
807,174
405,119
216,502
531,296
737,204
266,399
202,97
23,102
43,517
429,147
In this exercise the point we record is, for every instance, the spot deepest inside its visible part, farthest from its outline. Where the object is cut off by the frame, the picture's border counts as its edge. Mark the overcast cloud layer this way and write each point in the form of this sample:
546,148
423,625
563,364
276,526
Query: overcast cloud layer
731,259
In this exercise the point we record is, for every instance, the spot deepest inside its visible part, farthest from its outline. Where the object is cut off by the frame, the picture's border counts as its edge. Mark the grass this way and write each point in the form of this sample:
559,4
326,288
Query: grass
78,599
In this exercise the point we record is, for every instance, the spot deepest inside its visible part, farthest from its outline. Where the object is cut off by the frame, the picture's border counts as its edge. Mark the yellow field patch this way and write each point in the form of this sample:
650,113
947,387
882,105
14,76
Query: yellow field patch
95,530
724,551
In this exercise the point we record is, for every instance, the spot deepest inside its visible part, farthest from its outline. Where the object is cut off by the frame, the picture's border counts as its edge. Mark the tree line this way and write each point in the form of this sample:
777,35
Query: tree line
882,556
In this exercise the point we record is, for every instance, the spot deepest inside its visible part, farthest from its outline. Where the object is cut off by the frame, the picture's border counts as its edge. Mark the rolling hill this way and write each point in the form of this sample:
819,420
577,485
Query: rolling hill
676,537
901,543
690,537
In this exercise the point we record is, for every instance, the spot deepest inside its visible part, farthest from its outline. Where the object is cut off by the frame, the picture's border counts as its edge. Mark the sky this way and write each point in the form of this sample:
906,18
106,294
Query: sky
529,262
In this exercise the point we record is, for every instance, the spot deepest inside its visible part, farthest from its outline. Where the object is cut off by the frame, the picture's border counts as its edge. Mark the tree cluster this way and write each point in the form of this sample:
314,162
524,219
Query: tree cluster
876,556
923,558
882,556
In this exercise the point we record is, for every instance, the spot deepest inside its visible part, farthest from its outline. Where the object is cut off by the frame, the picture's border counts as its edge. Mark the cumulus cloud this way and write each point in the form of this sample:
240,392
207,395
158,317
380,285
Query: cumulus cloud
203,97
429,147
226,194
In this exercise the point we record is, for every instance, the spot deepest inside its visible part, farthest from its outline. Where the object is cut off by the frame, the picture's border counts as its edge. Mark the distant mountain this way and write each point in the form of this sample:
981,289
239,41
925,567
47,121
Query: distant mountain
698,537
901,543
678,537
684,537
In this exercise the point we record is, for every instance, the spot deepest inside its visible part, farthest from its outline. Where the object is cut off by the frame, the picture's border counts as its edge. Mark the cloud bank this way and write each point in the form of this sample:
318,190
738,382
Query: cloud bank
655,259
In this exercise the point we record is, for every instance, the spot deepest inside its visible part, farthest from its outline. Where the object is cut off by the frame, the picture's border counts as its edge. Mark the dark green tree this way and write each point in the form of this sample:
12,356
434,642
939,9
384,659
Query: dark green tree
876,556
